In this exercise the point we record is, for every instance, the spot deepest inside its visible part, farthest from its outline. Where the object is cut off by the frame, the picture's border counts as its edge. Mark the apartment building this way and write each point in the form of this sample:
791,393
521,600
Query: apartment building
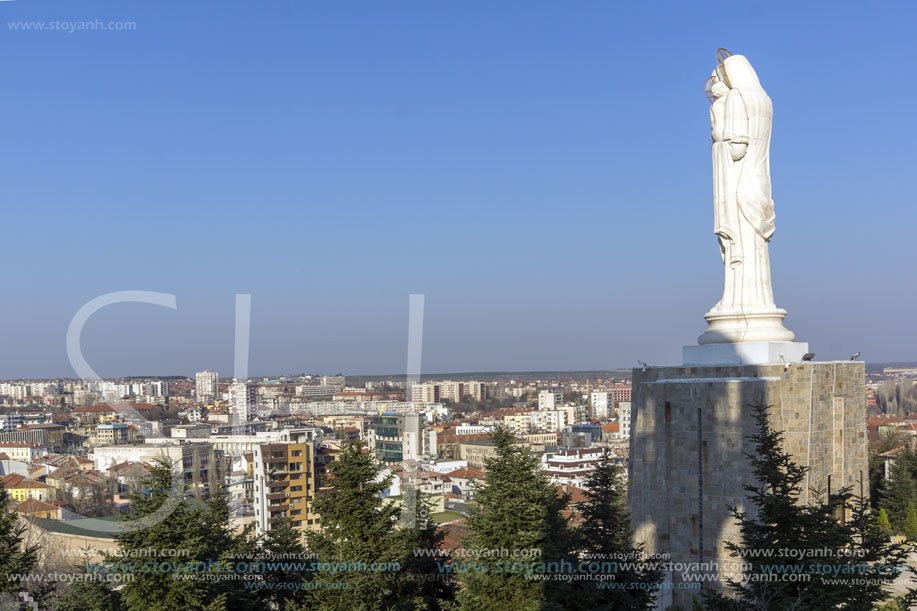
549,399
286,478
396,437
447,390
206,386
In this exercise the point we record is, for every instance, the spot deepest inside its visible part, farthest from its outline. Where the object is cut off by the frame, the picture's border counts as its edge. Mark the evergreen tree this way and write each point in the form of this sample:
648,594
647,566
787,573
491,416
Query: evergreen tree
284,547
910,522
518,524
870,557
15,558
88,595
604,536
787,537
424,582
198,577
884,525
781,534
359,537
898,490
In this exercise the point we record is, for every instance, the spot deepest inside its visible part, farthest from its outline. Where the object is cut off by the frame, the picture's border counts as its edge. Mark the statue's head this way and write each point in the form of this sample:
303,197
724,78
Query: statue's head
739,73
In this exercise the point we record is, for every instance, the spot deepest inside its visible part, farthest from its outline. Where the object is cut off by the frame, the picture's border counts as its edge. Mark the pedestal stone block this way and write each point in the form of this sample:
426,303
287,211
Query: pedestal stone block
690,428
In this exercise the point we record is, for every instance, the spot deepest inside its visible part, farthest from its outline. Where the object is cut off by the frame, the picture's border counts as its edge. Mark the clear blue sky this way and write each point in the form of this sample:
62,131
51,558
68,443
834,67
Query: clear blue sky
539,170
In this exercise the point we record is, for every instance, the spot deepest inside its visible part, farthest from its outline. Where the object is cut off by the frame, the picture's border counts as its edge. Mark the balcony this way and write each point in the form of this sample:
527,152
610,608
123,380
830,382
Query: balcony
278,484
276,496
277,459
278,507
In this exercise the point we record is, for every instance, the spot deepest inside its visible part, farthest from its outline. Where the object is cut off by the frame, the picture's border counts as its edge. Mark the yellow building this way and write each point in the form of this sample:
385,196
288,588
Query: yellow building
286,479
22,488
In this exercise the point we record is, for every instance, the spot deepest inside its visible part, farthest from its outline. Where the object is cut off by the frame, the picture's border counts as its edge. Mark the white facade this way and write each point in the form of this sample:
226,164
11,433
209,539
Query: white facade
549,399
206,386
243,402
600,404
624,419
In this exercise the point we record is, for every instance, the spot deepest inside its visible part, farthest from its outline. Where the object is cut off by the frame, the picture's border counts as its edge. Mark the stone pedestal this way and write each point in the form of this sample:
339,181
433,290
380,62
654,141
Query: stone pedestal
689,429
746,353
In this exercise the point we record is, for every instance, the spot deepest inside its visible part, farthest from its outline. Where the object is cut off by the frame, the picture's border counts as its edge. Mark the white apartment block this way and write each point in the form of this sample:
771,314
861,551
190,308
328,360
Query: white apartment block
549,399
601,404
23,451
206,386
10,422
243,402
624,418
448,390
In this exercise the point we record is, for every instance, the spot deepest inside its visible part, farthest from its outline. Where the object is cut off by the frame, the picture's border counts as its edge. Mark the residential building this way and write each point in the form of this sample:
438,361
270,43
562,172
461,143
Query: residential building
22,451
286,478
243,402
571,465
624,418
206,386
395,437
549,399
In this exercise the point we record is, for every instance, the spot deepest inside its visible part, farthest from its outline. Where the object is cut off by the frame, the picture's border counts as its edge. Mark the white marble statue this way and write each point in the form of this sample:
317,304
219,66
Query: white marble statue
740,116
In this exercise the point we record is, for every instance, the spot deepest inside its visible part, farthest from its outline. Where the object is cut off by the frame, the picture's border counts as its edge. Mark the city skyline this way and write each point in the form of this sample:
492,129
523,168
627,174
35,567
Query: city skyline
339,161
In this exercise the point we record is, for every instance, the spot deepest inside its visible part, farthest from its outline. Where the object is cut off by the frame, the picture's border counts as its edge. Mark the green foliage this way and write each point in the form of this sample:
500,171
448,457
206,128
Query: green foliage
910,522
899,489
519,511
15,558
783,535
883,523
605,533
207,546
283,543
360,529
88,596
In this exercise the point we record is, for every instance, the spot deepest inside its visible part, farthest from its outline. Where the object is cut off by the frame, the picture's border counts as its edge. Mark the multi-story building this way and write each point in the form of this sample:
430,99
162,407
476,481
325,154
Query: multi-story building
571,465
620,392
549,399
10,422
318,390
395,437
22,451
198,463
600,404
243,402
114,433
520,423
448,390
624,418
206,386
286,478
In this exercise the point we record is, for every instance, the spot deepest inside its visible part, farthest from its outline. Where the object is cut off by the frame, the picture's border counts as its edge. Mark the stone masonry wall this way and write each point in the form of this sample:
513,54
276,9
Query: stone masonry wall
689,429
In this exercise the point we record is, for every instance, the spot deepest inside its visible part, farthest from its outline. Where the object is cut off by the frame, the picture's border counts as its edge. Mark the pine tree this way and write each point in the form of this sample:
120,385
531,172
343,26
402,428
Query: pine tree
283,546
424,581
359,537
781,534
910,522
15,558
855,575
89,595
870,556
196,541
884,525
605,536
898,490
518,524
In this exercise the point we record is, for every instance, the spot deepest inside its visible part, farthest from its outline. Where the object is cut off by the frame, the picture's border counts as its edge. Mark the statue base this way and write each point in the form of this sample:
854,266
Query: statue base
745,353
746,325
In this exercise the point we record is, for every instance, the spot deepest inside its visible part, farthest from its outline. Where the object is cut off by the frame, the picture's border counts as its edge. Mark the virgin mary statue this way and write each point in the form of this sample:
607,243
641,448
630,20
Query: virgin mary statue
740,117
